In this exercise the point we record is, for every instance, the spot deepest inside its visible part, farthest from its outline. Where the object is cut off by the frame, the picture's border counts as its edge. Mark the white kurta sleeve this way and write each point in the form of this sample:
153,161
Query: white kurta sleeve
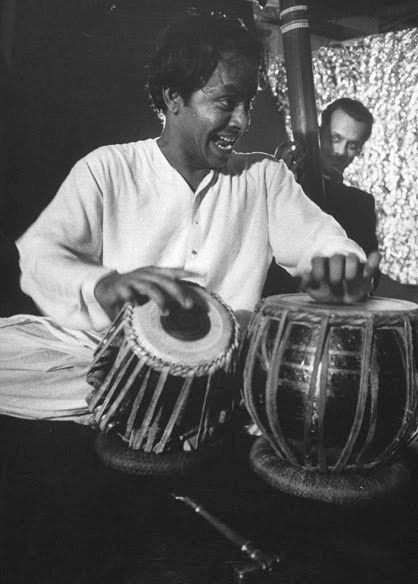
61,253
298,228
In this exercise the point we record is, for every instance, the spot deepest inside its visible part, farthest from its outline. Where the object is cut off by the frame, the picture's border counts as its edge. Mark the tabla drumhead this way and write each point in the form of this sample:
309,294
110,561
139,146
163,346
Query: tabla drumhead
148,330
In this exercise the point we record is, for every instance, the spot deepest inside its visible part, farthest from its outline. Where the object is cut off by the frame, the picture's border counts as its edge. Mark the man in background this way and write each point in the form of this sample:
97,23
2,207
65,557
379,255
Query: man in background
346,124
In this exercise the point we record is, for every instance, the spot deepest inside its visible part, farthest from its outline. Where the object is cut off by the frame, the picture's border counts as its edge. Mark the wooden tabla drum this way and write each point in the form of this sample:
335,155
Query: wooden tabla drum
333,390
165,386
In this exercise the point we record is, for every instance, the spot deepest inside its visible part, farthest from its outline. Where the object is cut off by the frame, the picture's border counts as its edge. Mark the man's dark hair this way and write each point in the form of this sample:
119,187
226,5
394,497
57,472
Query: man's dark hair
189,50
353,108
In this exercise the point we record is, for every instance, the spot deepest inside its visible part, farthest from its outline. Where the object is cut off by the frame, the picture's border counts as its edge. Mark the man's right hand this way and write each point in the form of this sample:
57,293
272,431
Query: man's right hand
339,279
162,285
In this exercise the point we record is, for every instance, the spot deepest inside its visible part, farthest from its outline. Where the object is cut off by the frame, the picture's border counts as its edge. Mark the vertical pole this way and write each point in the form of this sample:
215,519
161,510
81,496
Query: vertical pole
294,26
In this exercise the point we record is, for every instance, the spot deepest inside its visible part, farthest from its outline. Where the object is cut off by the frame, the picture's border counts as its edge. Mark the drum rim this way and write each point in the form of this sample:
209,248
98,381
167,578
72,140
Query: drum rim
312,311
290,302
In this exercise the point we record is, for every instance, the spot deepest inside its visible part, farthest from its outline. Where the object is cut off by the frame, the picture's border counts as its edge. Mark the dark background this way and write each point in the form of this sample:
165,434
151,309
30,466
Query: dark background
71,80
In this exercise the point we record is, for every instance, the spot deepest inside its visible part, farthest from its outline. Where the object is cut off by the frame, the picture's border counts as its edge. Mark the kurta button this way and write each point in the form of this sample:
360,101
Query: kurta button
194,252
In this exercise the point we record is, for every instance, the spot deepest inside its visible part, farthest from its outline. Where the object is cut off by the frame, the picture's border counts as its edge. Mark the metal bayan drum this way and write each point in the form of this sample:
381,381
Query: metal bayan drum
165,384
332,388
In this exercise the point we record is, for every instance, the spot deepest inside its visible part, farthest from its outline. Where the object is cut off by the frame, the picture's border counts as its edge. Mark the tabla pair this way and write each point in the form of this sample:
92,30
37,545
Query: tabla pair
333,389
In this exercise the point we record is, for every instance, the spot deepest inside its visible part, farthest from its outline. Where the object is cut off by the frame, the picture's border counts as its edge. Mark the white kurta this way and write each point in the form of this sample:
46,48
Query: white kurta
125,206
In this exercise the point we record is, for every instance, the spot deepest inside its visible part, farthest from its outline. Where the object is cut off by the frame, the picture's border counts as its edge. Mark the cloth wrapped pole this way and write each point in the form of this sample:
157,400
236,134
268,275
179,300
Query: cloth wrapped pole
298,62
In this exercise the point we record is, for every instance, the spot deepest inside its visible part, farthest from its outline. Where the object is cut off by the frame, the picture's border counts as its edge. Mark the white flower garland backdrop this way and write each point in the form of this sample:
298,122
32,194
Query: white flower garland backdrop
382,72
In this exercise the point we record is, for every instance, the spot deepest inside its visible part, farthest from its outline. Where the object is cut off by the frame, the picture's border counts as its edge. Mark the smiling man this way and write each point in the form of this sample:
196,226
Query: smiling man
346,124
204,127
132,220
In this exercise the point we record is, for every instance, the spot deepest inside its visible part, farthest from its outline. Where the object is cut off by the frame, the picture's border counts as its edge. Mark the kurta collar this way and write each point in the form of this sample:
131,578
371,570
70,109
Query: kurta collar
207,180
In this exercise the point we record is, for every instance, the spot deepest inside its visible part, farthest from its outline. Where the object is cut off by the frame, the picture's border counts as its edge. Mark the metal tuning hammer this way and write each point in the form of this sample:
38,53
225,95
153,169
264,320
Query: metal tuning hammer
260,561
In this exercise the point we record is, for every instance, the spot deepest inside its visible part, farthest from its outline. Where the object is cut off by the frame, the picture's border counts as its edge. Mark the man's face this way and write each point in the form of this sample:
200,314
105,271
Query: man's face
341,140
214,117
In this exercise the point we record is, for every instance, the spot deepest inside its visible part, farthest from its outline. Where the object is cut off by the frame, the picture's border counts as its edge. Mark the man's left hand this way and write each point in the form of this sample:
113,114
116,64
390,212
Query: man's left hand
340,279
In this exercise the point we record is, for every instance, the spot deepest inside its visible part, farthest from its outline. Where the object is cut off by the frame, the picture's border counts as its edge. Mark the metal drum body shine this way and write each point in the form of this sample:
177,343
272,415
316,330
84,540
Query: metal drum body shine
332,388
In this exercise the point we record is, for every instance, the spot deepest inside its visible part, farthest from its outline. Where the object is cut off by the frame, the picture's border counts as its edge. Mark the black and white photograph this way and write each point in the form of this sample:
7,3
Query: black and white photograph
208,292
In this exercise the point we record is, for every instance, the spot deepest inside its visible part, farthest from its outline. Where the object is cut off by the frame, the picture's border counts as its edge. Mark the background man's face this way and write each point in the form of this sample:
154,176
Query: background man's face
341,140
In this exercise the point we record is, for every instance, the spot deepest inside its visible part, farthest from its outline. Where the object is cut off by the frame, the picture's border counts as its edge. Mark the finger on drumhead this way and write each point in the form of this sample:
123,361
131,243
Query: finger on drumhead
199,301
175,284
336,269
318,274
148,290
357,288
319,271
353,267
177,292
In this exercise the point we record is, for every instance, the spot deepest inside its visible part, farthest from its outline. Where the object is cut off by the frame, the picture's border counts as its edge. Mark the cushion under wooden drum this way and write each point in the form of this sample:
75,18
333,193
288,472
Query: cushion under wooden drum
116,454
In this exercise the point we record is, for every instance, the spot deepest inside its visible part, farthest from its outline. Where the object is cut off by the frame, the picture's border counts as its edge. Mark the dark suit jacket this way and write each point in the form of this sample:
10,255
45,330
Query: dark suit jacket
354,210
